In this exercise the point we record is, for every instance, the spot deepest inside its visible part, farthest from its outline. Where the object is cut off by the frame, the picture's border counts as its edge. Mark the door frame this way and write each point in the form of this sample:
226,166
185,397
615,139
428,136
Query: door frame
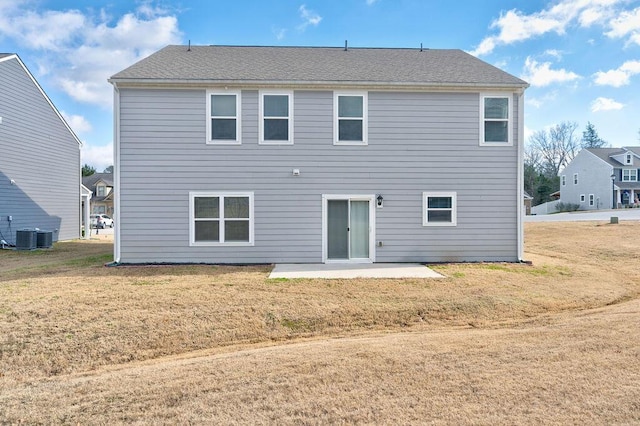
372,226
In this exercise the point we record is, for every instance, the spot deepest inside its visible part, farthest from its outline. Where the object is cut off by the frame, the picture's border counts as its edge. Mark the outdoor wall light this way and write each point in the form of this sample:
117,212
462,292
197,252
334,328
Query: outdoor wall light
379,199
295,172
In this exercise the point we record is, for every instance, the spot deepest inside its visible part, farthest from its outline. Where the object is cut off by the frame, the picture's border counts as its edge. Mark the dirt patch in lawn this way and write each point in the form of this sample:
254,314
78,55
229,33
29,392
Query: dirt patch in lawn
64,316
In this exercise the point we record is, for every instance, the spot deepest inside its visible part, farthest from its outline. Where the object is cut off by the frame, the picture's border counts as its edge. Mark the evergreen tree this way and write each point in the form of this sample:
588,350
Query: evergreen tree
87,170
591,139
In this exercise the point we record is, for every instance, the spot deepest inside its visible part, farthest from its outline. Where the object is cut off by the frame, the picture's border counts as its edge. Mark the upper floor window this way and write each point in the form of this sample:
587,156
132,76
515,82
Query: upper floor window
221,218
495,117
439,208
276,117
630,175
575,178
100,191
563,180
629,158
350,118
223,125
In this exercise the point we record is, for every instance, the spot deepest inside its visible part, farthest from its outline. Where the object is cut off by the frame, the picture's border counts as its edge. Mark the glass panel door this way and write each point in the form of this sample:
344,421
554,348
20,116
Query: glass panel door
359,229
338,229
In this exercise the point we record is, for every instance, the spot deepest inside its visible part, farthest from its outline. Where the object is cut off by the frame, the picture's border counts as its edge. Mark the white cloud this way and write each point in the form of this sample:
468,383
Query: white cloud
605,104
627,24
514,26
78,123
617,77
279,32
541,74
80,51
99,157
309,17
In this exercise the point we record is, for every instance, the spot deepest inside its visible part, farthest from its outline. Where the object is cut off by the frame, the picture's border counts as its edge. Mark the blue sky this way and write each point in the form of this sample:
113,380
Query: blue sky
581,57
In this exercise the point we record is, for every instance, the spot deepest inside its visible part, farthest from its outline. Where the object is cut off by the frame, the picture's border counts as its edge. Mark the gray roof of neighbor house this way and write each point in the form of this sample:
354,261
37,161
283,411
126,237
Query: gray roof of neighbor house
90,181
316,66
2,55
605,153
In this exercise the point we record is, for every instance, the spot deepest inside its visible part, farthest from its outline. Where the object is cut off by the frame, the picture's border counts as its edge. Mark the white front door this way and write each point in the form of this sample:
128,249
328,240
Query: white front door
348,228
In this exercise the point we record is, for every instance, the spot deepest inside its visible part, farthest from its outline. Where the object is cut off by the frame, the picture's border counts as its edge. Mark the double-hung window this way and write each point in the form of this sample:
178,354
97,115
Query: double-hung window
439,209
221,218
495,120
223,124
591,200
575,178
629,175
350,118
276,117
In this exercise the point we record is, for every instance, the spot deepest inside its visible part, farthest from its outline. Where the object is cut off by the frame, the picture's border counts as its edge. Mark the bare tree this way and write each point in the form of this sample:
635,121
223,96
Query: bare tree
556,146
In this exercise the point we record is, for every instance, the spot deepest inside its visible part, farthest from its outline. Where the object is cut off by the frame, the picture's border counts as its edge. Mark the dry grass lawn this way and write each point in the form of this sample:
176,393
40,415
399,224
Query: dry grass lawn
551,342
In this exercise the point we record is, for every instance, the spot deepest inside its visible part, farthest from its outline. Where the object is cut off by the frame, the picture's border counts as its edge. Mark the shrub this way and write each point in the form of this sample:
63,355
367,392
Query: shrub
567,207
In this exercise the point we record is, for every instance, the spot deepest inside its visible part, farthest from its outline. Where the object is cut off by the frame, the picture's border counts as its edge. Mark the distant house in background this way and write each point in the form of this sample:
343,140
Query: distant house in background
101,187
602,178
39,159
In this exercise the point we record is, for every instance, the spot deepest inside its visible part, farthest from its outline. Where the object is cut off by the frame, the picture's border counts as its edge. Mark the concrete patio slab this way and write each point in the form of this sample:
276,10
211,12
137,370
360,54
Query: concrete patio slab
350,270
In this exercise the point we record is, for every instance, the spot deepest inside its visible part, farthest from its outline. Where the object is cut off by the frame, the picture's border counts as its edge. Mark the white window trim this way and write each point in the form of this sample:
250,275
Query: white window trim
563,180
582,198
425,209
509,97
628,159
629,175
192,228
365,117
238,139
261,95
575,178
592,200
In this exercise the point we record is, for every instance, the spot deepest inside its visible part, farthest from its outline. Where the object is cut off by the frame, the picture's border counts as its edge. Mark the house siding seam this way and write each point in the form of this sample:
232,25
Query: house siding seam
417,142
33,138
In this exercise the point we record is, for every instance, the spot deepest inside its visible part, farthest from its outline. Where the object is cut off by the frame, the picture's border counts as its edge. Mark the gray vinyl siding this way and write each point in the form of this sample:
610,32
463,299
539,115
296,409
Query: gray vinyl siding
417,142
594,177
39,153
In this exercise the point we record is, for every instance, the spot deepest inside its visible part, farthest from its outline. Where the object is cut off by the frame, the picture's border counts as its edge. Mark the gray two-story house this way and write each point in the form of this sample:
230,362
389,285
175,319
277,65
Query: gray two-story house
34,138
602,178
229,154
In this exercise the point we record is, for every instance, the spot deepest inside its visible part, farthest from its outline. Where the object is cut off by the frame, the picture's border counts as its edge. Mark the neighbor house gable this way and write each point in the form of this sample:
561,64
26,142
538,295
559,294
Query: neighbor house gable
9,57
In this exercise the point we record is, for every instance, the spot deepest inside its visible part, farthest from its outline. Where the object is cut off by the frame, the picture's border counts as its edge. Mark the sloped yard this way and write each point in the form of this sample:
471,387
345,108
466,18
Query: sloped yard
80,342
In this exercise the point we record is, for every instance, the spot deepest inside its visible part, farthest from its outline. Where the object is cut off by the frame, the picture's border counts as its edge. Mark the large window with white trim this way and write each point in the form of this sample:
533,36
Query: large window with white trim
495,120
439,209
221,218
629,175
350,118
223,117
276,117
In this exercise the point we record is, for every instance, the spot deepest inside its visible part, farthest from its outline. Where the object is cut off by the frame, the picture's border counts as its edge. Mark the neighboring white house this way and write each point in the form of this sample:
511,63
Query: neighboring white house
39,159
228,154
602,178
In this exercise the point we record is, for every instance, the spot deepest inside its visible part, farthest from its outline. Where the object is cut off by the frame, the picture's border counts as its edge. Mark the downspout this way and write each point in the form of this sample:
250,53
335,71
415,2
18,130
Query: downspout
116,171
520,178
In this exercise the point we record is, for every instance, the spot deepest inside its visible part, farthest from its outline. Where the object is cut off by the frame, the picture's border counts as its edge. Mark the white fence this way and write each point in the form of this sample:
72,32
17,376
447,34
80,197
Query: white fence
546,208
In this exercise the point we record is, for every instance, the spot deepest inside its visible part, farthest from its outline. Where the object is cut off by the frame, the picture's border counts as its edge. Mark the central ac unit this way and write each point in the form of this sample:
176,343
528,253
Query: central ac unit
26,239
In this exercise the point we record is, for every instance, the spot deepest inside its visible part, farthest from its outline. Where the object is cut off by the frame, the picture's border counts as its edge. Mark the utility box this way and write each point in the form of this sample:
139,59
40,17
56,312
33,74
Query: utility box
44,239
26,239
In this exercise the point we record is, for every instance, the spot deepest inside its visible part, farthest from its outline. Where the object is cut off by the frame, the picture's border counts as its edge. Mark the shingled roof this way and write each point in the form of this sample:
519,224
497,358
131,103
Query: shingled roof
606,153
316,66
